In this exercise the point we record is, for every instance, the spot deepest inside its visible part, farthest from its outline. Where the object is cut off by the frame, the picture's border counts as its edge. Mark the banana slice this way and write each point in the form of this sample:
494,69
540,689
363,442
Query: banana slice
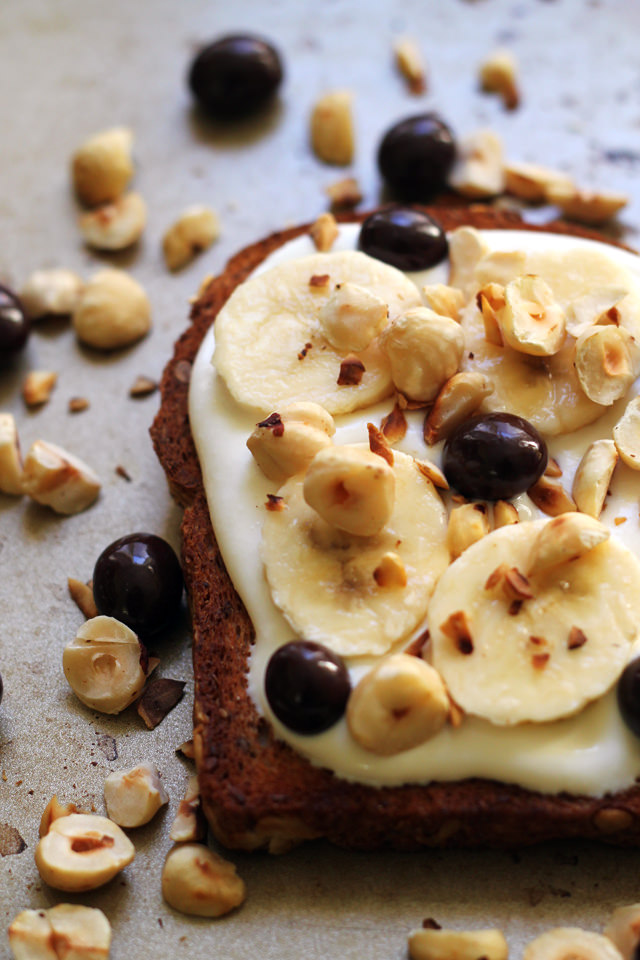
541,653
546,391
571,943
270,348
324,580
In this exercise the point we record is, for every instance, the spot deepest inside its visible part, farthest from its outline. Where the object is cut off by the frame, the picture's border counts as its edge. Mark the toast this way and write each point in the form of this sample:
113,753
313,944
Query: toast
258,792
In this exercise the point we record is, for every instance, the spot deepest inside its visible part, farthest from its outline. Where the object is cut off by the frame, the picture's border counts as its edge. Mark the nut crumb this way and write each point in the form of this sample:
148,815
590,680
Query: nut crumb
78,404
324,232
344,194
143,386
410,63
274,503
352,370
379,444
82,595
540,660
37,387
319,280
456,627
394,425
122,472
577,638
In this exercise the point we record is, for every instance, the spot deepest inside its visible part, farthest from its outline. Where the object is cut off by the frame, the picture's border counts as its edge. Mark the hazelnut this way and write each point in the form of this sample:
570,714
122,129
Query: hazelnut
499,74
133,797
351,488
531,182
344,193
444,300
441,944
531,320
102,167
391,571
52,292
104,665
115,225
285,443
397,705
490,301
199,882
194,231
352,317
604,363
478,171
188,825
113,311
410,63
565,538
67,931
586,206
626,435
58,479
550,496
11,469
37,387
324,232
82,852
458,399
504,513
53,811
332,137
593,476
468,523
424,351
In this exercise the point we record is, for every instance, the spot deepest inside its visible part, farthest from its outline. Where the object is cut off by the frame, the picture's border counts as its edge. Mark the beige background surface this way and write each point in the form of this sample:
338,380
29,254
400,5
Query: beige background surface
71,67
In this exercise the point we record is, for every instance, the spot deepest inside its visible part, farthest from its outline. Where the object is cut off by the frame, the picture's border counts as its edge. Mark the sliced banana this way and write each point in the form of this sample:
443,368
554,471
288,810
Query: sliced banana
537,659
571,943
270,348
546,391
323,579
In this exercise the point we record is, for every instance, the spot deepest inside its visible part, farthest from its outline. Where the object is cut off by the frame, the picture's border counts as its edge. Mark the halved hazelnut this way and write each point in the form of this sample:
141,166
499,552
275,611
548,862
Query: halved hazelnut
199,882
593,476
194,231
105,665
286,442
81,852
460,397
565,538
48,293
116,225
468,523
397,705
102,167
68,931
53,811
531,321
57,479
133,797
626,435
604,363
478,171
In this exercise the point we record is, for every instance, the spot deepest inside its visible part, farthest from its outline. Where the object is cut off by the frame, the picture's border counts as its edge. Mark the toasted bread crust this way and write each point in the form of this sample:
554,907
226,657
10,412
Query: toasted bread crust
255,790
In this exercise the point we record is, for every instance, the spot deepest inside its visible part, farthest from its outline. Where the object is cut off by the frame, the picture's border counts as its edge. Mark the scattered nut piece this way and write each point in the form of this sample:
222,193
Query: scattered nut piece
468,523
81,852
351,488
102,167
115,225
105,665
623,929
379,444
64,932
187,749
11,469
58,479
588,207
443,299
577,638
531,182
432,473
593,476
571,942
595,306
499,74
531,320
551,497
198,882
626,435
394,425
53,811
49,293
442,944
37,387
133,797
159,698
332,137
391,571
490,301
604,363
458,629
324,232
504,513
285,443
78,404
397,705
478,171
458,399
424,351
194,231
564,539
352,317
344,193
82,596
410,63
113,312
143,387
553,468
189,824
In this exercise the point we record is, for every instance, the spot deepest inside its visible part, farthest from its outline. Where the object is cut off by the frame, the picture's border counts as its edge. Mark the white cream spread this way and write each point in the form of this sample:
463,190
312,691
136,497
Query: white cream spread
592,752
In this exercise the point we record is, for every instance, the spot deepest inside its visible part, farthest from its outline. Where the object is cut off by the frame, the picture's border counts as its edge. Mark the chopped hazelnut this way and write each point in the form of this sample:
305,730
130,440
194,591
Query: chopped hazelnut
332,136
499,74
324,232
37,387
194,231
197,881
410,63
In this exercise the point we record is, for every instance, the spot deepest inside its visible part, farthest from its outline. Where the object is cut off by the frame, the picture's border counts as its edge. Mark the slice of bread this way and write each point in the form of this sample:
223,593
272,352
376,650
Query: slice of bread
256,791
